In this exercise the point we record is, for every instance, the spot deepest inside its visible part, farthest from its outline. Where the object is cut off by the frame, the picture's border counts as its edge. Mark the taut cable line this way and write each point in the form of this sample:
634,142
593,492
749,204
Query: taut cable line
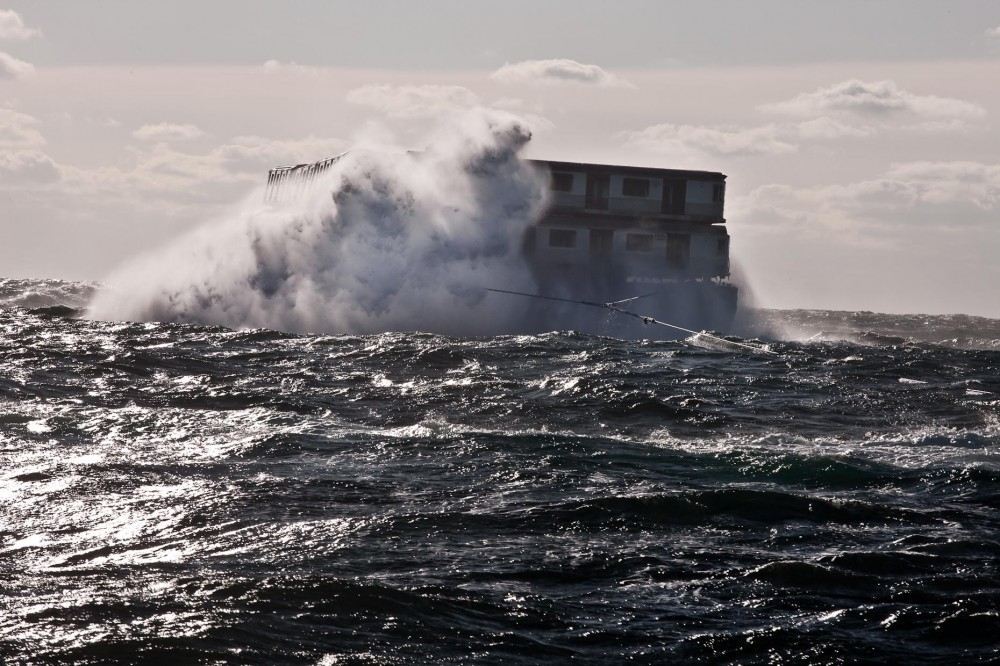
613,306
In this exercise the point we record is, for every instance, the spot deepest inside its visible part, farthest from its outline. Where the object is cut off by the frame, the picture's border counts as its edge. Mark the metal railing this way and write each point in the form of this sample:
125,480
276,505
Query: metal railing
291,182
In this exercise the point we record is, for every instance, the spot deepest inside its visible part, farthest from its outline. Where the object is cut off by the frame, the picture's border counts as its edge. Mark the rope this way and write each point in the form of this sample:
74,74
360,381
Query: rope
645,319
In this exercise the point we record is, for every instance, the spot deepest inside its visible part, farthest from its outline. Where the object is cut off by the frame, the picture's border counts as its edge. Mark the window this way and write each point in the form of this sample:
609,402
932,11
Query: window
635,187
562,182
718,191
562,238
639,242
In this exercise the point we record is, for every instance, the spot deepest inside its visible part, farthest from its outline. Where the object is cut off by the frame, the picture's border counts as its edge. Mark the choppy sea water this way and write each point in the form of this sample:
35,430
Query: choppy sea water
192,494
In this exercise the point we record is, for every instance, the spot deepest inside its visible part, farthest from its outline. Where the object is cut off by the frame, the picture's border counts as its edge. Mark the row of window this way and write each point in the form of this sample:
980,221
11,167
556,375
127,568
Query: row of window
566,238
631,187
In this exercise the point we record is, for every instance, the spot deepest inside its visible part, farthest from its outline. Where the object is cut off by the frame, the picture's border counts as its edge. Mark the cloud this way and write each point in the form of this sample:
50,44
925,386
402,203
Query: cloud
994,32
27,167
12,68
19,130
276,67
825,127
873,99
164,175
558,71
717,141
12,26
256,155
944,195
742,141
168,132
945,182
414,101
920,235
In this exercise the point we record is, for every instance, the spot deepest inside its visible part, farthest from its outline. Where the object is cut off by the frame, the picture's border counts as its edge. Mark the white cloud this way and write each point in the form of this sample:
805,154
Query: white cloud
945,182
742,141
559,70
255,155
19,130
27,167
414,101
165,175
276,67
12,26
12,68
718,141
168,132
919,237
926,194
825,127
949,125
994,32
873,99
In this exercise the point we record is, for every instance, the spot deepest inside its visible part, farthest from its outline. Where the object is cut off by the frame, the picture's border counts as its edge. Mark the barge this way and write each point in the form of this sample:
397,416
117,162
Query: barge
617,232
613,233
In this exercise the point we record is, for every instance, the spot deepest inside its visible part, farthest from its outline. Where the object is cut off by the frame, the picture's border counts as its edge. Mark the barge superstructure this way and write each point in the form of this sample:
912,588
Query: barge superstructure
614,232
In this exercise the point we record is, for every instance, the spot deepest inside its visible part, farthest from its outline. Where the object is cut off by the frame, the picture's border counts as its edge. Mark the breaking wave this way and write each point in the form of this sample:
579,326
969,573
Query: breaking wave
405,242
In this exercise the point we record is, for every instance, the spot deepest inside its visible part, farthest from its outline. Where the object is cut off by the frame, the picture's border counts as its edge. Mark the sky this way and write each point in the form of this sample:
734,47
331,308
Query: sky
860,139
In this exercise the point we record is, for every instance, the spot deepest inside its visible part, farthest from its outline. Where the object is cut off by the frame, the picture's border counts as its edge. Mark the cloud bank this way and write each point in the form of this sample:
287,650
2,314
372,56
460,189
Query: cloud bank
168,132
277,66
945,195
27,167
19,130
850,109
718,141
12,26
416,101
12,68
557,71
873,98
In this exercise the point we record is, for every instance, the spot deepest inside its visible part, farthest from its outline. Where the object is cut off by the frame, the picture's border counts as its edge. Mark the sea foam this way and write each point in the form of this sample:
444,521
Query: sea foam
387,240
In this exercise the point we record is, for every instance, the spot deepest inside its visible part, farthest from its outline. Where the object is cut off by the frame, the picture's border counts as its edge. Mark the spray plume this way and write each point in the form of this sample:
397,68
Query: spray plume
387,240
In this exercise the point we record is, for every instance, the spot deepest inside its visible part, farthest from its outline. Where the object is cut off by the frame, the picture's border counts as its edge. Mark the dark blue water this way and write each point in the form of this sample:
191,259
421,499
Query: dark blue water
188,494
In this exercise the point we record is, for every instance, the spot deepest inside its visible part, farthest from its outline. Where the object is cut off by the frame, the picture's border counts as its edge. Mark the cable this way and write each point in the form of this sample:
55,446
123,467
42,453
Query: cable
646,319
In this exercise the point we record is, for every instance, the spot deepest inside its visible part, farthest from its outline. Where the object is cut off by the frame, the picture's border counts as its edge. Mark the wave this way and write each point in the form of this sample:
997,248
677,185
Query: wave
387,241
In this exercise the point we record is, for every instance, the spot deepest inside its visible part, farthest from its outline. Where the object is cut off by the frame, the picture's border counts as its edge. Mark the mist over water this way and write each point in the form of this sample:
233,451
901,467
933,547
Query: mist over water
386,240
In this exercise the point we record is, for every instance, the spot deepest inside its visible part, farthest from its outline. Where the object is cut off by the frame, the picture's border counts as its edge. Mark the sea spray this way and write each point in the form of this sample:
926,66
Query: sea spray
388,240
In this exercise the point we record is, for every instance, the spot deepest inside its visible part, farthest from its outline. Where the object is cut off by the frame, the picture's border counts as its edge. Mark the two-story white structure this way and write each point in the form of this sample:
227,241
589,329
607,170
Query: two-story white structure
616,231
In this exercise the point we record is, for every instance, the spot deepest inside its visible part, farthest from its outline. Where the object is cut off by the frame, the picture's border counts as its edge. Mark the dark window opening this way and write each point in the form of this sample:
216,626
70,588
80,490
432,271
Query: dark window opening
635,187
562,182
718,192
562,238
674,196
598,188
639,242
678,250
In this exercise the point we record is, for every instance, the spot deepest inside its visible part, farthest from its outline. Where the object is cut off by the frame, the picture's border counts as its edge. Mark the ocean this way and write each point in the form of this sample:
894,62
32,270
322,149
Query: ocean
194,494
